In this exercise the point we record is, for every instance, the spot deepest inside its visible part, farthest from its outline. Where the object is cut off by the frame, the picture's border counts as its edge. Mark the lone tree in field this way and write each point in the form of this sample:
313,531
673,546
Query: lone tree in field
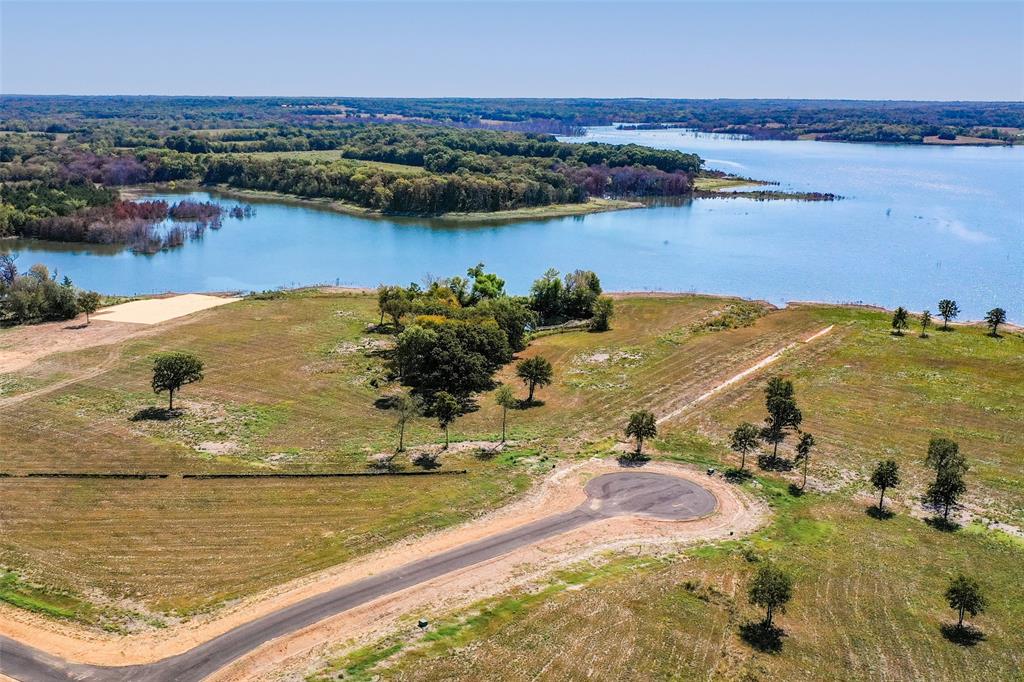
641,426
770,589
88,303
407,407
783,414
993,319
505,399
171,371
803,454
744,441
964,595
534,372
886,475
926,321
950,466
948,310
900,320
446,409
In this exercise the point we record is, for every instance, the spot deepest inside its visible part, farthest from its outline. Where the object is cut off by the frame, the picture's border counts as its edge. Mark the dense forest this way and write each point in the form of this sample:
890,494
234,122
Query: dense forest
848,120
61,185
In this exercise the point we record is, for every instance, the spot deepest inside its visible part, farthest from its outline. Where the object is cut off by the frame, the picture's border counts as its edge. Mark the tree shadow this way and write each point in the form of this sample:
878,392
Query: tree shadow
880,514
737,475
770,463
632,460
994,335
763,637
945,525
795,490
966,635
77,326
386,402
895,333
160,414
427,460
525,404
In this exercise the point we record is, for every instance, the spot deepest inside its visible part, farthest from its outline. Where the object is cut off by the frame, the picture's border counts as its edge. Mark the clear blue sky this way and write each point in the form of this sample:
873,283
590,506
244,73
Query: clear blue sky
824,49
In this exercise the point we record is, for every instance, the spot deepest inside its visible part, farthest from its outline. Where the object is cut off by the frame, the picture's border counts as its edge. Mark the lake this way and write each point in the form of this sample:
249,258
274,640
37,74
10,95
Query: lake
916,224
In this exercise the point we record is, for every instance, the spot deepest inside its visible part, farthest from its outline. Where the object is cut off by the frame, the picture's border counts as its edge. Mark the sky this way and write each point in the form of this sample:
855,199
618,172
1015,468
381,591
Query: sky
825,49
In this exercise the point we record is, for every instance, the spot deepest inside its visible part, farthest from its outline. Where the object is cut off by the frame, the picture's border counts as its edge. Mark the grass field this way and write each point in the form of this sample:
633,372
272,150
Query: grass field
867,605
290,386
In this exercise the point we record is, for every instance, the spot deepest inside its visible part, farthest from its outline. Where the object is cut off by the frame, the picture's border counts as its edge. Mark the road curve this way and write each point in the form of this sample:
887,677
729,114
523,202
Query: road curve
616,494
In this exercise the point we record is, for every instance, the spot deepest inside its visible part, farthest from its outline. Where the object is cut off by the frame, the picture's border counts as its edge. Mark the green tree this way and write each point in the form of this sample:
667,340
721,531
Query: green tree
534,372
604,308
900,320
886,475
505,399
393,301
926,321
446,409
641,426
744,441
803,454
771,589
171,371
950,467
486,285
993,319
783,414
948,310
88,303
964,595
582,288
513,316
546,296
407,407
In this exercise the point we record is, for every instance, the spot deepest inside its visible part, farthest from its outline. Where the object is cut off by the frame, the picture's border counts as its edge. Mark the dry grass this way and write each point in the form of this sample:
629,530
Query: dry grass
867,605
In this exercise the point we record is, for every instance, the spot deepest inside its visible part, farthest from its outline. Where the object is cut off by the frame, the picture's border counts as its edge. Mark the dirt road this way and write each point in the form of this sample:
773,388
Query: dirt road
620,494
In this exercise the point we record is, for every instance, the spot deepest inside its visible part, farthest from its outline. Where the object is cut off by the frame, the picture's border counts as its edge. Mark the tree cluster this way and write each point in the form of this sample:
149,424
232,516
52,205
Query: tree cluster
37,296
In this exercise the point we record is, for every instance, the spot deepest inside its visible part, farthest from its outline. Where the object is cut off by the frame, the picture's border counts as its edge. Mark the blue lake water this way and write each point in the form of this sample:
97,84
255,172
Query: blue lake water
917,224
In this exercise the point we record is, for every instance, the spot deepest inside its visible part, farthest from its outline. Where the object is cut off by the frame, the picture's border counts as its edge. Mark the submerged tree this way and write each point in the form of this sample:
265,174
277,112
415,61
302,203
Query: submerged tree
948,310
171,371
744,441
886,475
641,426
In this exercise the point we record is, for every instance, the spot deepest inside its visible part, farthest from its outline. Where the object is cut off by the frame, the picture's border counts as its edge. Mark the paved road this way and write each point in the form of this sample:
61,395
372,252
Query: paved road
617,494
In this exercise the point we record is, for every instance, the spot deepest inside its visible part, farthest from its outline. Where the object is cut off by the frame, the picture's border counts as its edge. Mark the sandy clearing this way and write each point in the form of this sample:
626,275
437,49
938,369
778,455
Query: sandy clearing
761,364
156,310
561,491
20,347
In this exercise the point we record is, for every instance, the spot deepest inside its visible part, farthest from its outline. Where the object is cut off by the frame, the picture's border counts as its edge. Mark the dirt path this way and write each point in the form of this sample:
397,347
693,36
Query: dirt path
756,367
557,497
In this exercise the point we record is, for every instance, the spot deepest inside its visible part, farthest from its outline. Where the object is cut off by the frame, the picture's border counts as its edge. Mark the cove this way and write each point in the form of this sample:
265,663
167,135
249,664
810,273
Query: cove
916,224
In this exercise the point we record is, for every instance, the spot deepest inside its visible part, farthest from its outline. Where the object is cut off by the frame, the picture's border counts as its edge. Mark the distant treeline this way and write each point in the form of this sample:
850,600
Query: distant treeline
145,120
58,189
